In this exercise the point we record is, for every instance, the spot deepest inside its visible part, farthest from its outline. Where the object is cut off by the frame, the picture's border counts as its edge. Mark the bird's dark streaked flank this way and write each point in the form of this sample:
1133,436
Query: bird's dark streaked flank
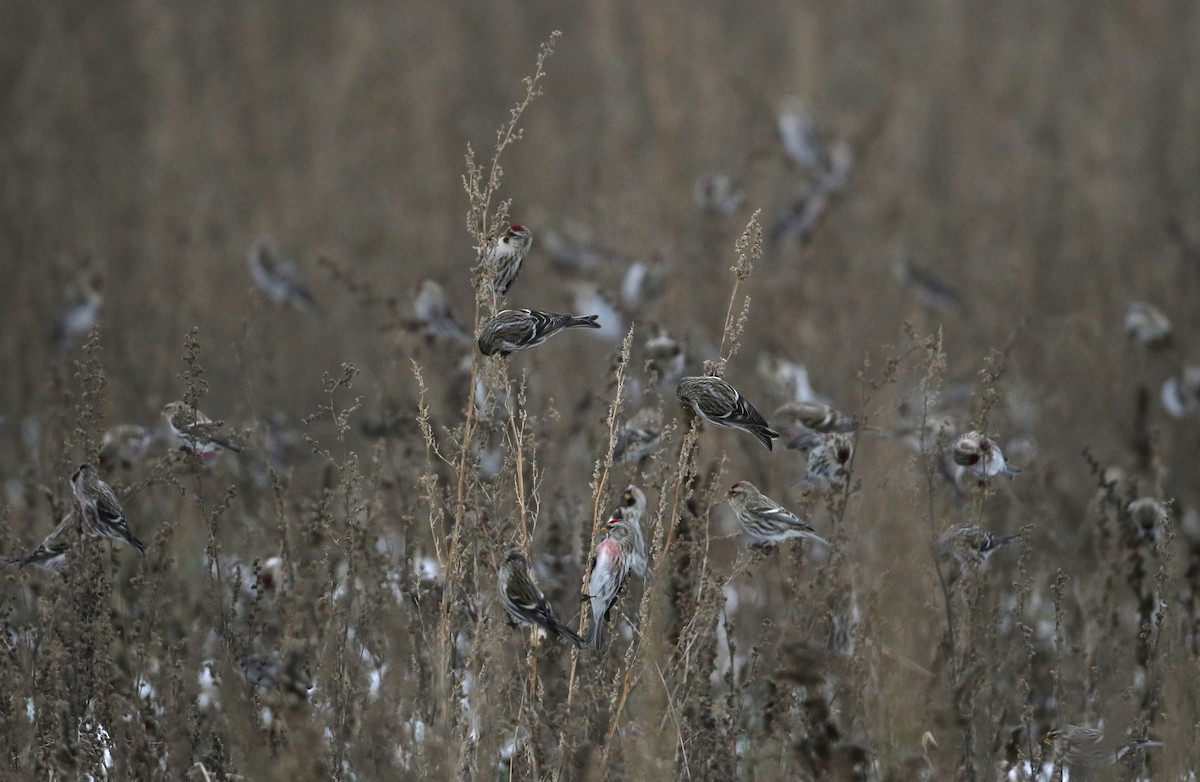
614,560
99,508
511,330
525,602
508,253
764,520
1080,747
719,403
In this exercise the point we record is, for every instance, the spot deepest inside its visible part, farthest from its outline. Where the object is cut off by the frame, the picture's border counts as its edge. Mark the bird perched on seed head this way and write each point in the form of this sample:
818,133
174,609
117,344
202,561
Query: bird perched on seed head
197,433
829,457
278,276
722,405
51,554
433,315
511,330
613,562
82,299
525,602
639,437
764,520
507,253
633,510
124,445
1082,747
965,546
99,508
981,456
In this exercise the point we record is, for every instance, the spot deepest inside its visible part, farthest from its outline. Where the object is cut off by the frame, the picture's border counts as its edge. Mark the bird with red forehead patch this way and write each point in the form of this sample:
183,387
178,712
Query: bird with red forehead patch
613,562
981,456
506,254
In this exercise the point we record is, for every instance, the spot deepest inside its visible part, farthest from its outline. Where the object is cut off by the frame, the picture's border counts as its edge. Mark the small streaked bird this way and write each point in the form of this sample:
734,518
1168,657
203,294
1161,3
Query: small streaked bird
965,546
802,140
572,248
511,330
1081,747
525,602
507,254
809,416
51,554
1147,324
278,276
664,356
125,445
719,403
981,456
1149,517
433,316
786,379
764,520
1181,395
81,308
644,281
632,510
639,437
933,291
289,675
99,508
718,194
828,457
610,568
197,433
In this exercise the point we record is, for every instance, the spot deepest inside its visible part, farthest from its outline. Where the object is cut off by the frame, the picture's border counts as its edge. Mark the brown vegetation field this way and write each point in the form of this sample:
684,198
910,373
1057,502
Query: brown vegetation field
963,202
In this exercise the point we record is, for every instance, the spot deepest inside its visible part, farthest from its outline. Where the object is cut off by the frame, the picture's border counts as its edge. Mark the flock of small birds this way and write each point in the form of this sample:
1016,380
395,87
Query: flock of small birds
808,424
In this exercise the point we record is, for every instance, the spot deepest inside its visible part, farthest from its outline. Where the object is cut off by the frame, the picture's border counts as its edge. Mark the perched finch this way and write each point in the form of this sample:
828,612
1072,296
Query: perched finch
981,456
1147,324
572,248
433,315
644,281
512,330
786,379
965,546
828,458
289,675
614,560
1149,517
664,356
809,416
82,300
718,194
632,511
507,253
1081,747
766,521
930,289
524,601
1181,395
720,404
639,437
197,433
101,512
124,446
278,276
52,553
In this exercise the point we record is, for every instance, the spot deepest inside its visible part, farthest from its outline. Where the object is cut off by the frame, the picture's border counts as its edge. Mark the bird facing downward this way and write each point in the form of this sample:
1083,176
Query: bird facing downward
764,520
525,602
511,330
508,254
614,560
99,508
981,456
719,403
